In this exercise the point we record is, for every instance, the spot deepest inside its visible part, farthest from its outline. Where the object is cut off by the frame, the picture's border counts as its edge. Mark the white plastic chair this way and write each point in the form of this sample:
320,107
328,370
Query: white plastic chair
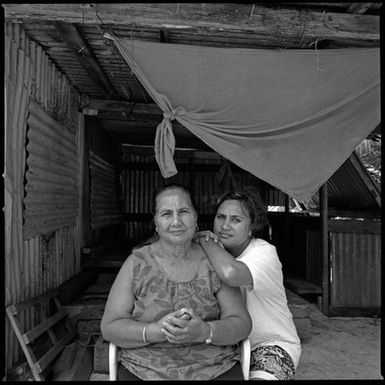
245,359
113,361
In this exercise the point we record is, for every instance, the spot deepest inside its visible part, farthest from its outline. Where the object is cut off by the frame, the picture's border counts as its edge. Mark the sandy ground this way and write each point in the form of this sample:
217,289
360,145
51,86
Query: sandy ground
340,348
337,348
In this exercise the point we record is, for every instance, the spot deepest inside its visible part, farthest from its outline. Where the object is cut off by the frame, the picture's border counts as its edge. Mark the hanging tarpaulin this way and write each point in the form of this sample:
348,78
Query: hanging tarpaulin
290,117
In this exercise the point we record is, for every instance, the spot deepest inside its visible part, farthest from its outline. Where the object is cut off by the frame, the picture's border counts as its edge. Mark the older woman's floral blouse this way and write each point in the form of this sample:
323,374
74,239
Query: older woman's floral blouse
155,296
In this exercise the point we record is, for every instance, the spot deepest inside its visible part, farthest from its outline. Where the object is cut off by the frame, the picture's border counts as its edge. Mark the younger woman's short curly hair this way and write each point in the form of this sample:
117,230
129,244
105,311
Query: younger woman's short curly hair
253,205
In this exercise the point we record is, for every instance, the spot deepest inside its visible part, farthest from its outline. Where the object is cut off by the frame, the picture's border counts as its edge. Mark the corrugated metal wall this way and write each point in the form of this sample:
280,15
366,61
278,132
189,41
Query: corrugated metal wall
354,253
314,257
52,193
42,262
198,171
297,239
356,270
104,207
98,141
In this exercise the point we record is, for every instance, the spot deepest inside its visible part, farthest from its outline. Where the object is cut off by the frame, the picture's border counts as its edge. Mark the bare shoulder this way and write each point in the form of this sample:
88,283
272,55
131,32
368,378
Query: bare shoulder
130,265
198,251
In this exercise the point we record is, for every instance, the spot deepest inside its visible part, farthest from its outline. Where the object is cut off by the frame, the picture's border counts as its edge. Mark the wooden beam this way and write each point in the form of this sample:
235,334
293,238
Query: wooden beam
143,137
140,128
135,127
355,226
366,215
341,7
80,49
287,26
198,167
132,116
118,106
359,8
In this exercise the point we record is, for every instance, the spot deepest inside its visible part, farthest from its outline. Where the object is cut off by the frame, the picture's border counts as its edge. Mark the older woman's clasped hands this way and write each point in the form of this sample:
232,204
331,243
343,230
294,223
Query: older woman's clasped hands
183,326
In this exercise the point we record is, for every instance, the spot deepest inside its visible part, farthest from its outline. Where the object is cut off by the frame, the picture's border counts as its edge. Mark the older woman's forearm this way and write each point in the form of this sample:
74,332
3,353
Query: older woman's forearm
230,330
128,333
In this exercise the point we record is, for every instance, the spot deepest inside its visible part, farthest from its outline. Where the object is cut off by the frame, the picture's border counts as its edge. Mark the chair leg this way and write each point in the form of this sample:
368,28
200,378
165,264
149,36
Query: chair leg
245,358
113,361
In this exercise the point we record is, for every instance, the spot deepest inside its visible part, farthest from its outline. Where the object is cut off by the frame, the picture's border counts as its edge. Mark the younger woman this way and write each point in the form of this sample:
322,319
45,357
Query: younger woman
242,259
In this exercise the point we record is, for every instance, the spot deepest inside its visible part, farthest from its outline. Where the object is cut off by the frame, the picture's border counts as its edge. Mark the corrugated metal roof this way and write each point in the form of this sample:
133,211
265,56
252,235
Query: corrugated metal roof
372,163
351,188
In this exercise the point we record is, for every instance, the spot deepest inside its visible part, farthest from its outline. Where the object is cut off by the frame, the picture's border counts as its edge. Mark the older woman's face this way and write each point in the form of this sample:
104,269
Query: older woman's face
175,217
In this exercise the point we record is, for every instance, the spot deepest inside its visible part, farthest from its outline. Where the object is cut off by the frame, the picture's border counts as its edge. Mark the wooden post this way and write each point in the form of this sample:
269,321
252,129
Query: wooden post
191,172
325,248
287,229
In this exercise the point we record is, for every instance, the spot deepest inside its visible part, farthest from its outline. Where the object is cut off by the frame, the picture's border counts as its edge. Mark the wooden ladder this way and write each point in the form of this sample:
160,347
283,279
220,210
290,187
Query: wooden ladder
46,328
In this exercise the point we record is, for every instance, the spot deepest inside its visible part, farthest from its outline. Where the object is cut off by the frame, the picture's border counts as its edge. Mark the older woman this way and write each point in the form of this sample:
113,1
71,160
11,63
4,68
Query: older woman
243,259
168,310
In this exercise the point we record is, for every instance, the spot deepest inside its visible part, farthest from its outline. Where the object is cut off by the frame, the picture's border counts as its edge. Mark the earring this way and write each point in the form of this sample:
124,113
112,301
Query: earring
197,228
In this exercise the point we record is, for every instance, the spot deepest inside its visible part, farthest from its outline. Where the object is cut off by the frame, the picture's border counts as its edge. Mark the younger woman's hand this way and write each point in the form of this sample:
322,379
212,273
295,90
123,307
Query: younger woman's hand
206,235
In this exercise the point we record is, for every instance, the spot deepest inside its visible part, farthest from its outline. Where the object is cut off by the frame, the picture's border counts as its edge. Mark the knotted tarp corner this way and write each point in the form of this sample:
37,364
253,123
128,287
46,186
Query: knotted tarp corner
165,143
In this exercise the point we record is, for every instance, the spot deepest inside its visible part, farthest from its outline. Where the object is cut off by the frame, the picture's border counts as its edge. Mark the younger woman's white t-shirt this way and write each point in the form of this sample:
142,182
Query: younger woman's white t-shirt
266,301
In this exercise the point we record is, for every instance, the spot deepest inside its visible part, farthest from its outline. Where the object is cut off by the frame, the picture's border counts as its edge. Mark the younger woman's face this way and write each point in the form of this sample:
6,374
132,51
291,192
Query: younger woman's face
232,224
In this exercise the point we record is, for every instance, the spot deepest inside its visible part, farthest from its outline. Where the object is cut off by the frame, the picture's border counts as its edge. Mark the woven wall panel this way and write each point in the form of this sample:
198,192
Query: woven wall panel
51,197
104,207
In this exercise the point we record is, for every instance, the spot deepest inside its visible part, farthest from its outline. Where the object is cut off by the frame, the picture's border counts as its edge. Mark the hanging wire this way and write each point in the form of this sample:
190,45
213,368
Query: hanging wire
108,42
133,64
98,16
252,11
315,42
302,27
102,31
132,50
118,57
103,26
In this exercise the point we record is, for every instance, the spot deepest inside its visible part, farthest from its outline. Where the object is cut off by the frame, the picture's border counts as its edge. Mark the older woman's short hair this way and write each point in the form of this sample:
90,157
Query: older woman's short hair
174,186
253,205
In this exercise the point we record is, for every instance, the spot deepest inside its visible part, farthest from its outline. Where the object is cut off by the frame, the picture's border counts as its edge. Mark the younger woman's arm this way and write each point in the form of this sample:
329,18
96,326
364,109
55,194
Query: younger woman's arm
232,272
